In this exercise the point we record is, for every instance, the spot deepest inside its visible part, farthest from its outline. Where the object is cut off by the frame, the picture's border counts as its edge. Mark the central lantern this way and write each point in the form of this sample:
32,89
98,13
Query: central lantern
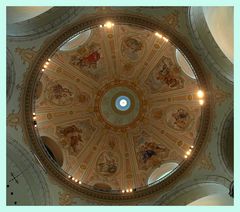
113,105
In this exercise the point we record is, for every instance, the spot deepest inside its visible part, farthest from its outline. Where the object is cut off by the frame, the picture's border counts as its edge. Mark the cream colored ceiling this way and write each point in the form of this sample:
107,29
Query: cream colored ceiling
66,101
220,23
18,14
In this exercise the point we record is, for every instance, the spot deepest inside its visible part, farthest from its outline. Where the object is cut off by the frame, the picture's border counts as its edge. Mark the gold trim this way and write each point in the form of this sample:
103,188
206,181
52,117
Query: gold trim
51,46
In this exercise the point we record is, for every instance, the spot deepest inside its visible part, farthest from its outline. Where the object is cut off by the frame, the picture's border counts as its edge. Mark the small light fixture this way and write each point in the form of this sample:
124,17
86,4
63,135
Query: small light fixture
188,153
34,114
158,35
46,63
35,125
108,24
130,190
201,101
80,182
165,39
123,191
127,190
101,26
185,156
192,147
45,66
200,94
73,178
76,180
43,69
34,117
49,59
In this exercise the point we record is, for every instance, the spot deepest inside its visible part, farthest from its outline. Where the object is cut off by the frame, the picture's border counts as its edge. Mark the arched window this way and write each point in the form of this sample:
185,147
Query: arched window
76,41
182,62
53,150
161,172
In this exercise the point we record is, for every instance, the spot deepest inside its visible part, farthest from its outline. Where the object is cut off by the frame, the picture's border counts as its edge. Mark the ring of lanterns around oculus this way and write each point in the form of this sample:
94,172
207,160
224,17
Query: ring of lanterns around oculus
120,100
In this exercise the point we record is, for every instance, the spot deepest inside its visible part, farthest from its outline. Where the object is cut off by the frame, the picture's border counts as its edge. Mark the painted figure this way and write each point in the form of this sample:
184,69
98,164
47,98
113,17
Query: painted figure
71,138
59,91
151,154
59,94
181,118
89,61
132,48
106,164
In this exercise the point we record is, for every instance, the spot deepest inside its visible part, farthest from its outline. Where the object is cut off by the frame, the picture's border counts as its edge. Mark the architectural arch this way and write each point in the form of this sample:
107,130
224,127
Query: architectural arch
226,142
184,64
162,171
42,24
26,184
202,29
189,192
53,149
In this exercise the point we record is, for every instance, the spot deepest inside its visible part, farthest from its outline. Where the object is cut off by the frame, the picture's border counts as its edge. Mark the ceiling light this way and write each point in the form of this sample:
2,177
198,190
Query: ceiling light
76,180
69,176
34,114
192,147
101,26
73,178
34,117
158,35
127,190
201,101
188,153
185,156
45,66
43,69
165,39
200,94
123,191
108,24
49,59
80,182
130,190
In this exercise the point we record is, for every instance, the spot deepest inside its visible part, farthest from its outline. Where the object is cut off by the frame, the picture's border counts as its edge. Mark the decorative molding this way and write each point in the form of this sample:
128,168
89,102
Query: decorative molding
206,162
34,75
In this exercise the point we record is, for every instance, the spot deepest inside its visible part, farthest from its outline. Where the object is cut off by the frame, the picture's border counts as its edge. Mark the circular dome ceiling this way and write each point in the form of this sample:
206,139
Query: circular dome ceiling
118,106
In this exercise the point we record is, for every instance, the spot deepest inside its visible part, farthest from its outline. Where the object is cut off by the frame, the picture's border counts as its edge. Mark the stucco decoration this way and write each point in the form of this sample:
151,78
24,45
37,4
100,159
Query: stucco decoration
206,162
102,139
104,150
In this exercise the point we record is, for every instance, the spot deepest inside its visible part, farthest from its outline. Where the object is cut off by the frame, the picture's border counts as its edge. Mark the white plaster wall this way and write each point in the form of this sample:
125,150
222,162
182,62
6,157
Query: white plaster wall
220,23
211,200
18,14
